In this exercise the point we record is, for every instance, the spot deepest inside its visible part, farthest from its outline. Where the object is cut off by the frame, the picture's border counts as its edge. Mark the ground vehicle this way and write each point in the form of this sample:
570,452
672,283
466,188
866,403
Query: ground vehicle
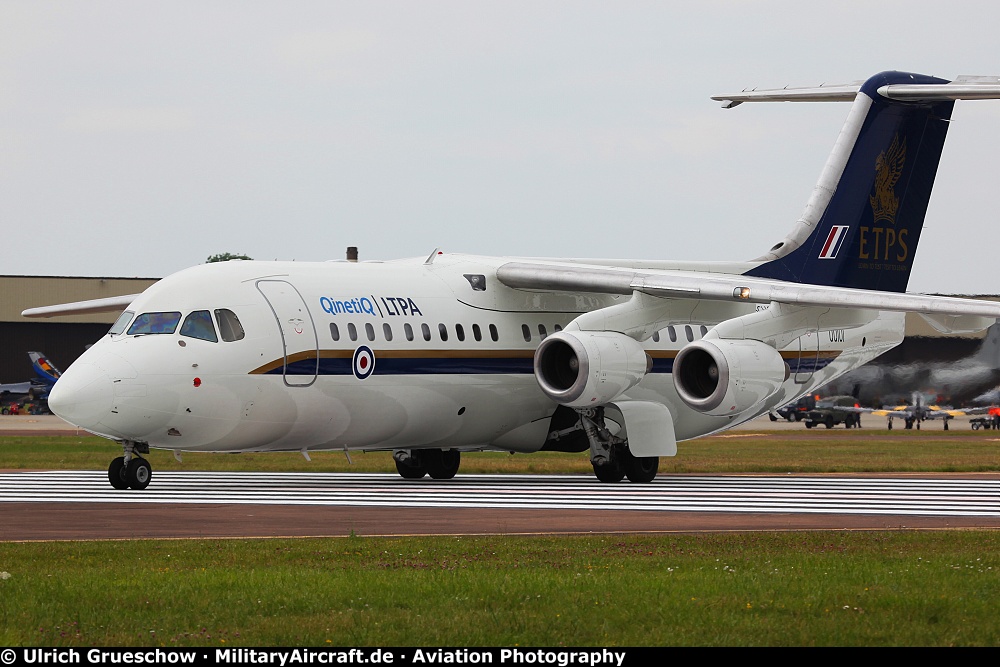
832,411
794,412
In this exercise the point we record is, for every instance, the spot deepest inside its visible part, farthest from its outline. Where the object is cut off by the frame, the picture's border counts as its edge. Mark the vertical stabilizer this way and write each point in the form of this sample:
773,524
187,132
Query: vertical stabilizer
863,221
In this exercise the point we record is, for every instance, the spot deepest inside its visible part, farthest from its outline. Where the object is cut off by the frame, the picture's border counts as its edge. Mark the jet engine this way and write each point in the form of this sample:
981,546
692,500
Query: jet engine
726,377
589,368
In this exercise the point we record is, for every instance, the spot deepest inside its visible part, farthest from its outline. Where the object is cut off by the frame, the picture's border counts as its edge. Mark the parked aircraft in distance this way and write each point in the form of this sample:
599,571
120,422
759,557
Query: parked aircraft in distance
35,389
918,410
957,382
433,357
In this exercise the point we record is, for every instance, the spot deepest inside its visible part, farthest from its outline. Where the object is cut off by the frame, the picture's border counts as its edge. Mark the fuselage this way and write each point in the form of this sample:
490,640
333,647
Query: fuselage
270,356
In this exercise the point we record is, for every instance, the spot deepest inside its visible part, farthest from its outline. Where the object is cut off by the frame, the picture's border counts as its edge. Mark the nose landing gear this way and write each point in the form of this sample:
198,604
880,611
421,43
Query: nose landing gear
131,471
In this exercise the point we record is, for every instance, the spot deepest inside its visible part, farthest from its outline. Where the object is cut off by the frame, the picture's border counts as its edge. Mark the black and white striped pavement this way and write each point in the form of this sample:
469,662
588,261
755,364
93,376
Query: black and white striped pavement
770,494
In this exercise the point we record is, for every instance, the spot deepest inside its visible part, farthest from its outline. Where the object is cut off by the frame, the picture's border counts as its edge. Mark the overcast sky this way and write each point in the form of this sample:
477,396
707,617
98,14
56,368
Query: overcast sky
137,138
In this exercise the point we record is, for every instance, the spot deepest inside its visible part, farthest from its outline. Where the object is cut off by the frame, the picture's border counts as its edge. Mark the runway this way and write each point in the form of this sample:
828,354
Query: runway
81,504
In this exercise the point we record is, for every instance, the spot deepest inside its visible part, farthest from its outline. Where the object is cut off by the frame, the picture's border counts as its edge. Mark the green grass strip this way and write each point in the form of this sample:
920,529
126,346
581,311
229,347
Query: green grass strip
754,589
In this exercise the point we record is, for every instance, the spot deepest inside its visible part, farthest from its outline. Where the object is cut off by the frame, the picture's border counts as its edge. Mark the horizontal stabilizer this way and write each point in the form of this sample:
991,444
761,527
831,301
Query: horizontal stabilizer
962,88
111,304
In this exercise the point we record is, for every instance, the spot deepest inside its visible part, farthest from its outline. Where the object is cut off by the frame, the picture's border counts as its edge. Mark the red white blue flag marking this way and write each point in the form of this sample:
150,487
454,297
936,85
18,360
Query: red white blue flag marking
833,242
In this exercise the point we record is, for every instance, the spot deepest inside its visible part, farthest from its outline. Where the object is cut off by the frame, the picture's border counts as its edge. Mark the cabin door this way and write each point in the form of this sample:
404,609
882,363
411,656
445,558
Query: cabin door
298,331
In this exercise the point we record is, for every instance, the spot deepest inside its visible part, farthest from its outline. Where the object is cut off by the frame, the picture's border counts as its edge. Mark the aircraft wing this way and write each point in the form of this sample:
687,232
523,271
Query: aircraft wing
111,304
728,287
15,388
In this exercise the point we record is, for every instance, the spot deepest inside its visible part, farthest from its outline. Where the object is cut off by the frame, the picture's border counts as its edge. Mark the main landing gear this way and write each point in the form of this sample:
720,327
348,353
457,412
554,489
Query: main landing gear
610,456
438,463
131,471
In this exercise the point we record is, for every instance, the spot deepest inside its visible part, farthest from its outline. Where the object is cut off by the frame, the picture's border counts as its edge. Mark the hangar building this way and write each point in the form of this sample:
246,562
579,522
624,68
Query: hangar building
61,339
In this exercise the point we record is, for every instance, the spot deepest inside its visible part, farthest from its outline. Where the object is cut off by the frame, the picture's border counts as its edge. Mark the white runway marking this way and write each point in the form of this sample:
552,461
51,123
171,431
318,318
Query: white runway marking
825,495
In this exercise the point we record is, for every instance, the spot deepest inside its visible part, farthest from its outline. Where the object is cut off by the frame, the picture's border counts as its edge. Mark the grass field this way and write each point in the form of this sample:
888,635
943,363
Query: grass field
839,451
753,589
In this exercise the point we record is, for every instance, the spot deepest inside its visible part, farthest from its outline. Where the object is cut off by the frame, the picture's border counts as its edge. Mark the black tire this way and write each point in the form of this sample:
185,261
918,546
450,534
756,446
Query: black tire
796,416
138,473
116,474
889,426
442,464
772,417
810,424
641,469
828,422
946,424
610,472
410,471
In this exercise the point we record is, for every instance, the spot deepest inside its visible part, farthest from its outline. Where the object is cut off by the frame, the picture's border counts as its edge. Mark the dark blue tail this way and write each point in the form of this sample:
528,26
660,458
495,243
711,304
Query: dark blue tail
866,234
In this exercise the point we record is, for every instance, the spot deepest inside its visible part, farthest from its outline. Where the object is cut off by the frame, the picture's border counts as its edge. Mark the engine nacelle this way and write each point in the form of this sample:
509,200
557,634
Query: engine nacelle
726,377
589,368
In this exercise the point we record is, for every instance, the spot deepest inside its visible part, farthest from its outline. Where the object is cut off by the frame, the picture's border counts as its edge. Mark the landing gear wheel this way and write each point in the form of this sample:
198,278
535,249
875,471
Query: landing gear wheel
641,469
946,424
442,464
138,472
116,474
610,472
409,471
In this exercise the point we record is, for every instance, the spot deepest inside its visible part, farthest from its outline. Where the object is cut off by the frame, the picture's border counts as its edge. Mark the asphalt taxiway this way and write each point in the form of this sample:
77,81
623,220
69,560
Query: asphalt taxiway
66,505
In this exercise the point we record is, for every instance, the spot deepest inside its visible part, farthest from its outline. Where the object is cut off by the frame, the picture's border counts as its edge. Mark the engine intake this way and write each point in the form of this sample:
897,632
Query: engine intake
726,377
589,368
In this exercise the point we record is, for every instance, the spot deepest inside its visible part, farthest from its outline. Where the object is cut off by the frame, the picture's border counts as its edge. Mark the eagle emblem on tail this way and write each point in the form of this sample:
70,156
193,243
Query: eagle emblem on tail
888,167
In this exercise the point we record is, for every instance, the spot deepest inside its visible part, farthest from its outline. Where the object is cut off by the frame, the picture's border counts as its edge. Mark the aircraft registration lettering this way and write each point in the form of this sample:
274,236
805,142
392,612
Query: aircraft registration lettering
391,306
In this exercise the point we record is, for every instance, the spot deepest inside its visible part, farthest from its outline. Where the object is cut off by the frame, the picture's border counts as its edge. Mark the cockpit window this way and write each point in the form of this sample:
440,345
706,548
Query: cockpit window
121,323
229,325
199,325
154,323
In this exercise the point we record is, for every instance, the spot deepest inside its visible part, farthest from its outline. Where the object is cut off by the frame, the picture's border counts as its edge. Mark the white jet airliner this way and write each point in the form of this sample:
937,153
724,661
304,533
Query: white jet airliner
433,357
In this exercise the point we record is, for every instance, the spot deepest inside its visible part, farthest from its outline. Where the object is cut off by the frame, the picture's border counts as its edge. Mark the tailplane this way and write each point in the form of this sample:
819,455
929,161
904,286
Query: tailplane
862,224
44,370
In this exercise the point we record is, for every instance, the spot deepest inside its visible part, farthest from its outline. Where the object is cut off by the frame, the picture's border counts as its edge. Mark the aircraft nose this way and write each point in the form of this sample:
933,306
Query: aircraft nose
83,395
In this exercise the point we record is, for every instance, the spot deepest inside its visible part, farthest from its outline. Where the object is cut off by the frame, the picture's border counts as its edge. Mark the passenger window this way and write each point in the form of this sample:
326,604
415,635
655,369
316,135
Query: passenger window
542,332
494,334
154,323
370,331
408,330
229,325
352,331
656,336
526,332
334,331
387,331
199,325
688,333
477,333
459,332
443,331
704,330
426,331
121,323
672,332
558,327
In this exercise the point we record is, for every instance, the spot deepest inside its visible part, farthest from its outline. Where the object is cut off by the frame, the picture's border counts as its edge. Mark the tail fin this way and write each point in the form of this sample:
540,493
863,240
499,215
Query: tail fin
988,353
863,221
45,371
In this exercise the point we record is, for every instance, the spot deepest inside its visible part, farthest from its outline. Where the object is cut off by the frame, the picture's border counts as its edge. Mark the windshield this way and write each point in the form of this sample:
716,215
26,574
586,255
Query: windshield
121,323
154,323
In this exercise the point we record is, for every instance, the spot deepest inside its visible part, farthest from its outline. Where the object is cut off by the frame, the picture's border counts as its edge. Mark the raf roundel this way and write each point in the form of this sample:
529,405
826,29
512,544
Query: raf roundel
364,362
